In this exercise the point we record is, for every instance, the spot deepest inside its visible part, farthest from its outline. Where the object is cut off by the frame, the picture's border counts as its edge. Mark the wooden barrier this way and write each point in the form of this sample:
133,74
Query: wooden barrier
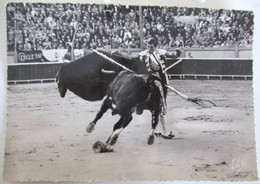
212,67
32,71
187,69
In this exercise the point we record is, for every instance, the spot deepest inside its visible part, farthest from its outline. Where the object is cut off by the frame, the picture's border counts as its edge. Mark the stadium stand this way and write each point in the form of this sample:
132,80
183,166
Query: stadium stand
52,26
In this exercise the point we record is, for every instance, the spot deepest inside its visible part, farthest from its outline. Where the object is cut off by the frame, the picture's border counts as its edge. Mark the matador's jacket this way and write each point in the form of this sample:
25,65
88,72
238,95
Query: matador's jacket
155,65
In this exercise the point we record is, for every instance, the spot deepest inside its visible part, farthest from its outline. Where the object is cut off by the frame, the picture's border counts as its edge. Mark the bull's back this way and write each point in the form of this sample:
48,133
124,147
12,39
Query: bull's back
127,90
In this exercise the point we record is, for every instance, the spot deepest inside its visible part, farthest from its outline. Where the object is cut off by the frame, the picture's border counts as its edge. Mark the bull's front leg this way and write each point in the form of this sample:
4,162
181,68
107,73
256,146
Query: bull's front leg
155,118
103,109
118,128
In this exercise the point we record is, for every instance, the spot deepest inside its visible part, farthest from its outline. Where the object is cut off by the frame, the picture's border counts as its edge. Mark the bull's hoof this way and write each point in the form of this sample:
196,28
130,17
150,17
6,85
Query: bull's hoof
150,140
90,127
113,140
100,147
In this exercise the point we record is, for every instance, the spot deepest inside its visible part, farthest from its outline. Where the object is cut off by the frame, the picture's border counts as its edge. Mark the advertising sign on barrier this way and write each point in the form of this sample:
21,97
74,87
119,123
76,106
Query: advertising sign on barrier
54,55
30,57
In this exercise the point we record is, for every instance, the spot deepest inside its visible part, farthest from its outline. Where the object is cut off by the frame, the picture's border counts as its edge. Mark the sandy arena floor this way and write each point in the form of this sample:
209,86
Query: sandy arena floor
46,137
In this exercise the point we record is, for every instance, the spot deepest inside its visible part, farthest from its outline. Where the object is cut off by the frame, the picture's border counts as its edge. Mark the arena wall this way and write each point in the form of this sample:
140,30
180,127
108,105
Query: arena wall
192,68
32,71
212,69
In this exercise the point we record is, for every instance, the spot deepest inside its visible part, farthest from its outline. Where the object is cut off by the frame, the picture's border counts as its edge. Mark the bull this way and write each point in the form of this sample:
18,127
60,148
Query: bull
125,93
93,77
90,76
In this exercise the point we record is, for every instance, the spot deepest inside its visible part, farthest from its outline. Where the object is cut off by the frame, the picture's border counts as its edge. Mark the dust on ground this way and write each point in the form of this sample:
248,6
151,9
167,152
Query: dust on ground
47,139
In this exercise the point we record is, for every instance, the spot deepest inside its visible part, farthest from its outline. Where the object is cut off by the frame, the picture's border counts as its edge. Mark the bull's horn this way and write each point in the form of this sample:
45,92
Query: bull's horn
57,77
108,71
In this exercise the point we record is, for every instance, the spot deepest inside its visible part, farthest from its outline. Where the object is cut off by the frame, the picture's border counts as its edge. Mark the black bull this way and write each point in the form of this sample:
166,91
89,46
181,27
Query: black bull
85,78
124,90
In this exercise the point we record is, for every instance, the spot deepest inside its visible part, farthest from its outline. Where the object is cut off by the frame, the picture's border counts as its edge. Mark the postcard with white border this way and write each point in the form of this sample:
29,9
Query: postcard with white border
110,91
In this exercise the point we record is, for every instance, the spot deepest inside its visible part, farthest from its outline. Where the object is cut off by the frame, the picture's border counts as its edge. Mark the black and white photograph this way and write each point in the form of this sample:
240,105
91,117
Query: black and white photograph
125,92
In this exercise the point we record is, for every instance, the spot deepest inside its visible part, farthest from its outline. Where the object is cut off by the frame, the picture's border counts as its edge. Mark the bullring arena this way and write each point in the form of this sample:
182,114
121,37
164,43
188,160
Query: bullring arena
46,137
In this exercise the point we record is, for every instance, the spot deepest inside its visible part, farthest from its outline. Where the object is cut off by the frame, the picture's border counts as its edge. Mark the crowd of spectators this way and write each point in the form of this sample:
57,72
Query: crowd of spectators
52,26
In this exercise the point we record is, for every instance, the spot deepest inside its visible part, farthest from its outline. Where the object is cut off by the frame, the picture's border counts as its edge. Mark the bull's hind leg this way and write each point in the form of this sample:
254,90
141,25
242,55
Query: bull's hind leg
103,109
113,138
118,128
155,117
